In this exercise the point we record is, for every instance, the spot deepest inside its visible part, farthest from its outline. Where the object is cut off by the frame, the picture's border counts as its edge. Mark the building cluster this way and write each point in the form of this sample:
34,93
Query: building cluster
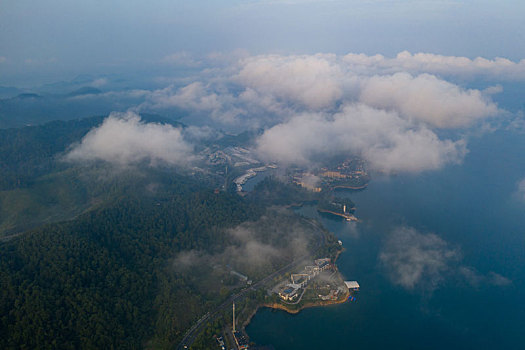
249,173
345,170
300,280
236,156
306,180
348,172
241,340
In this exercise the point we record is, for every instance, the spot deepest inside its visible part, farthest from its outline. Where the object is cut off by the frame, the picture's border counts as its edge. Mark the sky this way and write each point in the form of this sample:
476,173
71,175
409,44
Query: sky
43,41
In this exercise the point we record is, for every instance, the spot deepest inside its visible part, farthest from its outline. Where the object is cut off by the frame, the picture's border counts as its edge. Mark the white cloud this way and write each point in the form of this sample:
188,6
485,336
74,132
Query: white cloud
497,68
417,261
194,96
122,139
388,142
310,81
257,86
476,279
428,99
324,104
253,247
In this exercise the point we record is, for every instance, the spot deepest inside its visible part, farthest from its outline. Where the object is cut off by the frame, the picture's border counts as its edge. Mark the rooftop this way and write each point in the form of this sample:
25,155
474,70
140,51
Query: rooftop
352,284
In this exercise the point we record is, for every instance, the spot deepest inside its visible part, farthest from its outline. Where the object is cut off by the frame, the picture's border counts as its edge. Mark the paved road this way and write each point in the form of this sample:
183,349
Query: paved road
192,333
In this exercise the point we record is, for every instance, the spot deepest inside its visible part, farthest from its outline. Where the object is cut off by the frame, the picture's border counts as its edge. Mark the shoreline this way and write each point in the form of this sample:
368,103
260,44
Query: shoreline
279,306
349,217
344,187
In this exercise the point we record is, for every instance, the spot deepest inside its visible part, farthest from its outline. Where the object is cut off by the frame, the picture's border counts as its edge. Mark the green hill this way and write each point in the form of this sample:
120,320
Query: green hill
37,187
101,280
96,257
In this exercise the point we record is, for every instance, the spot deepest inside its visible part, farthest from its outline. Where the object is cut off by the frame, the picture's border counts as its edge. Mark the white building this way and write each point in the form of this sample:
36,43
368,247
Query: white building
352,285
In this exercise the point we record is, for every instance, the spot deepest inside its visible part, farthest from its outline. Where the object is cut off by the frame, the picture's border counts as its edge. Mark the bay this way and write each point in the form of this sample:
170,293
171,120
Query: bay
475,299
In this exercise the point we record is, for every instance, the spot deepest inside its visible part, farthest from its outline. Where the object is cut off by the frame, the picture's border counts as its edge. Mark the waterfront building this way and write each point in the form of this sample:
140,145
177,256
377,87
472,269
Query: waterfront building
352,285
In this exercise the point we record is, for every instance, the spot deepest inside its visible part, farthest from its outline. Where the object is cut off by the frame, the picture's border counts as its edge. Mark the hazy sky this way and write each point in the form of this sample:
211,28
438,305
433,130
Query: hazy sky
59,39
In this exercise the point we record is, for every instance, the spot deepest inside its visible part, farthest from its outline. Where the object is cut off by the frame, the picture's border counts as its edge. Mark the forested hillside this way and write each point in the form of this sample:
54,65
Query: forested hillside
37,186
98,256
103,280
29,152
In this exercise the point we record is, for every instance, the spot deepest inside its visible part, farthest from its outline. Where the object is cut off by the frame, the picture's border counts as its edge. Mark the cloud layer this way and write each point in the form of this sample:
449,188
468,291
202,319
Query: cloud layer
285,85
464,67
428,99
387,110
123,139
312,82
390,111
388,142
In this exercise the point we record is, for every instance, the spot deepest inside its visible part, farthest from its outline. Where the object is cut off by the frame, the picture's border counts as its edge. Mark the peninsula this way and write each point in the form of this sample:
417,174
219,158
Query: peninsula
318,284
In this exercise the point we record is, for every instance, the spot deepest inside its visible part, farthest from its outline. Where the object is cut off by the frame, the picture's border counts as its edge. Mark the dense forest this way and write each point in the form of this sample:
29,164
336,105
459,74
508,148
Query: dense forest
273,191
32,151
101,280
92,256
37,186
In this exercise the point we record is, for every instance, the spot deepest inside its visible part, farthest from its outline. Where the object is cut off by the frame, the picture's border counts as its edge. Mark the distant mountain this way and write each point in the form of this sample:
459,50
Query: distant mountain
9,91
28,96
86,90
83,79
35,107
62,87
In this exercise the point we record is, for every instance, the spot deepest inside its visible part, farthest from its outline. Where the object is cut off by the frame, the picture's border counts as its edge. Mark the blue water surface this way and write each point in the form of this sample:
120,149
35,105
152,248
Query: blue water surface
476,210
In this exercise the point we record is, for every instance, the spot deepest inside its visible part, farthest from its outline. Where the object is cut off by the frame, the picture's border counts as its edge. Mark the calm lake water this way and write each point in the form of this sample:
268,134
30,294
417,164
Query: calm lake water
478,215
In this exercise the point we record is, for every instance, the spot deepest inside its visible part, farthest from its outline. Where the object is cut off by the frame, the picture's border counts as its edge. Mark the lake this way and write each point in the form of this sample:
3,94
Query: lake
440,258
